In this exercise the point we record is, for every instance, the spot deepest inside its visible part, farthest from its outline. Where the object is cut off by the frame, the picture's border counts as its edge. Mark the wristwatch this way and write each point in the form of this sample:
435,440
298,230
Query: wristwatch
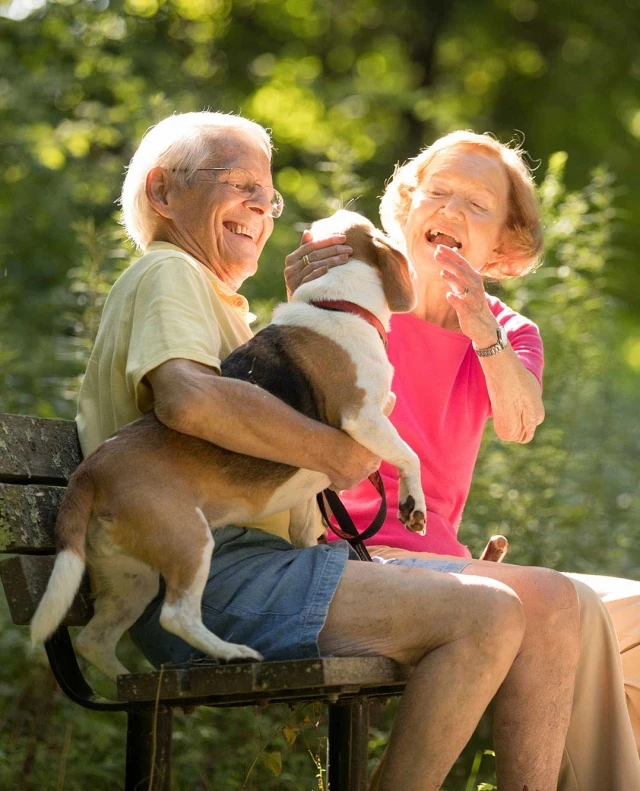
497,347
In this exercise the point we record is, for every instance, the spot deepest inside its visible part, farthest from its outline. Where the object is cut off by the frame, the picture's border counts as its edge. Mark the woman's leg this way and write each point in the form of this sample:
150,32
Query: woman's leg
621,597
600,751
448,626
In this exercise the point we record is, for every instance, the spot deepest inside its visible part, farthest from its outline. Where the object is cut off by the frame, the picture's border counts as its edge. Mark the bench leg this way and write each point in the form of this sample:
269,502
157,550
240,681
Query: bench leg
347,750
148,763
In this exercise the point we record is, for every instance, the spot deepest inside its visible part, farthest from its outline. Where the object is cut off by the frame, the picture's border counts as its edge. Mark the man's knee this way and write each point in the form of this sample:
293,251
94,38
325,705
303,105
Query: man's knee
495,609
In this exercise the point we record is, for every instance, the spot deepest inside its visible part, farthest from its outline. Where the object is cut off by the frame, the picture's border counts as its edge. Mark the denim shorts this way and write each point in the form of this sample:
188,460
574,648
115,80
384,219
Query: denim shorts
263,593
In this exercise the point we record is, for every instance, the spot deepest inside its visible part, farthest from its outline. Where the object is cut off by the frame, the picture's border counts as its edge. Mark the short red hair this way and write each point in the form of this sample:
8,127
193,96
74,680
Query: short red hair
521,243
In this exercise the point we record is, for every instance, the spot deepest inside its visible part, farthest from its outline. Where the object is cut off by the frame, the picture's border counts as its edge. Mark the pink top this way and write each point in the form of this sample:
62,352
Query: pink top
441,410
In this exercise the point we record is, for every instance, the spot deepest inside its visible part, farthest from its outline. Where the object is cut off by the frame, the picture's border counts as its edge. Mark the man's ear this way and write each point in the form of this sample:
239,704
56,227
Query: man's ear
157,188
397,276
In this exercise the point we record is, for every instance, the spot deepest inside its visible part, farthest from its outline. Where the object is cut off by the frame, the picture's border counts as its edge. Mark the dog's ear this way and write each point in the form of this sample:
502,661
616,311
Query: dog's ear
398,275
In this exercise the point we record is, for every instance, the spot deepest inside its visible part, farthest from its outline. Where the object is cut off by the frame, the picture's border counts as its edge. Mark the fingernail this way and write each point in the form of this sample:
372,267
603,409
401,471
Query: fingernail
344,259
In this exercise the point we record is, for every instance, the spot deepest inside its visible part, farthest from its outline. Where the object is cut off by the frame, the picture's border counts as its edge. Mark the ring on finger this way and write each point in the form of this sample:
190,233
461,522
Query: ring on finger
305,260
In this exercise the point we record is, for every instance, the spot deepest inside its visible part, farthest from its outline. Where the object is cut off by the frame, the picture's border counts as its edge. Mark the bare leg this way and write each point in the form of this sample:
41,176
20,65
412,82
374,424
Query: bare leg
438,623
600,751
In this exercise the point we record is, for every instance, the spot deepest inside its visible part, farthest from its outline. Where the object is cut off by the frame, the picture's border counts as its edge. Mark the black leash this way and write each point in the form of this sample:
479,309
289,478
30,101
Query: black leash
328,501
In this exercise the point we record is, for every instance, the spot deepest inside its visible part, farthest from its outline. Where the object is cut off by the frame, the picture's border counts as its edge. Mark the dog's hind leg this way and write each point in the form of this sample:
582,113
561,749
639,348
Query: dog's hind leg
181,612
123,588
304,524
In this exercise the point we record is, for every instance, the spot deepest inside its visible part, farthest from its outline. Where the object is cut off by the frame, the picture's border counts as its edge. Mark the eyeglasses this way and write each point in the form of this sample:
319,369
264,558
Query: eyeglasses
244,183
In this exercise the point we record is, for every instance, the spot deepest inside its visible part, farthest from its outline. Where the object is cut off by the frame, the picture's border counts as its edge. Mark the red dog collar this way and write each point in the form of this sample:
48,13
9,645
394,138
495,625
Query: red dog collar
343,306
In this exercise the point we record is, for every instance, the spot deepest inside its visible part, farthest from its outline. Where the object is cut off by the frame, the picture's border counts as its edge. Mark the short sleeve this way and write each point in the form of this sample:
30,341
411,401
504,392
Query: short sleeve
523,334
527,344
173,317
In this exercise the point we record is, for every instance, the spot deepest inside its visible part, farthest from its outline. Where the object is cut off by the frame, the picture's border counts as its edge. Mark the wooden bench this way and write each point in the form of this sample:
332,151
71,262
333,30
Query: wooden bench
36,458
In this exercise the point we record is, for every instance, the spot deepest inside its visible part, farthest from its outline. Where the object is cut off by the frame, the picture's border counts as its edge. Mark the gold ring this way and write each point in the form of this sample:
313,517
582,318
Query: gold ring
305,260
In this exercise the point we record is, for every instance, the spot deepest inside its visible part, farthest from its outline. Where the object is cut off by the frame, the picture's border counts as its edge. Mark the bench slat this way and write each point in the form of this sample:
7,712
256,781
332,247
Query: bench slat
25,578
248,682
28,517
37,449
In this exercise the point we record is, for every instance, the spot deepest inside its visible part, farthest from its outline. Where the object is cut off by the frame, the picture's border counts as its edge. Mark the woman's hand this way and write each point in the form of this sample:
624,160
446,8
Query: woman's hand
313,259
467,297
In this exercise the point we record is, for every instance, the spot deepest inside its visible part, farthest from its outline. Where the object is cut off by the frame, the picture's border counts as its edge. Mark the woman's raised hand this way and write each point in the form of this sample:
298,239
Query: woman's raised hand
313,259
467,297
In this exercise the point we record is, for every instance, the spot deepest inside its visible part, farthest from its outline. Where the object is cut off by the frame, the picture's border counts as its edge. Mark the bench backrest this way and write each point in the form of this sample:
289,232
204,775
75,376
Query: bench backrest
37,456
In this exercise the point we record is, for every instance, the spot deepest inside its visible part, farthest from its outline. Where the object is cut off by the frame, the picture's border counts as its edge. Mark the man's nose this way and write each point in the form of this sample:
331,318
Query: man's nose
259,201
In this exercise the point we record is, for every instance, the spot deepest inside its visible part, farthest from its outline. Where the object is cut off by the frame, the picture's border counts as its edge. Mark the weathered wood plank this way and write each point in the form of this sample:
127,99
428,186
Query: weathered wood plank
28,517
267,680
25,578
37,449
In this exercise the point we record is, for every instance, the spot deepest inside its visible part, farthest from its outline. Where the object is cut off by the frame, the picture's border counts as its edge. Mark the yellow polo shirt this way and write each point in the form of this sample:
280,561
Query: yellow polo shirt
165,306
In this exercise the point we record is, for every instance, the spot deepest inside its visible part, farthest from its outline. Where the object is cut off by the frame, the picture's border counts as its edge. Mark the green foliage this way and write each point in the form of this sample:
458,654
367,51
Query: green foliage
569,500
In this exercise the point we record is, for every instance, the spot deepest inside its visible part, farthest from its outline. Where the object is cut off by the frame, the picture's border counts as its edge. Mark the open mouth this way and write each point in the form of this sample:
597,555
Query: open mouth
436,236
240,230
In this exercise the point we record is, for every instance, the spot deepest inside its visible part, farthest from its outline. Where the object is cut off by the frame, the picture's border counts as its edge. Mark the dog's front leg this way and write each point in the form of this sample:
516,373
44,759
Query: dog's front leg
373,430
303,525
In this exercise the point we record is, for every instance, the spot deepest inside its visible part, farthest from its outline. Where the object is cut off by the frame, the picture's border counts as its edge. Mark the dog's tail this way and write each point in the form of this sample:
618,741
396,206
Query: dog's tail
68,569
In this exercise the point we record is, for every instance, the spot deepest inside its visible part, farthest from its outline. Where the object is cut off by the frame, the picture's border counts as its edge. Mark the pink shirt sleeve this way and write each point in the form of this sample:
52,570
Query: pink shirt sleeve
524,336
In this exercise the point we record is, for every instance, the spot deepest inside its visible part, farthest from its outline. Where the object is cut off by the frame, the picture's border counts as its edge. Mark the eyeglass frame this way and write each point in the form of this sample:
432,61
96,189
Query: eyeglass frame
276,194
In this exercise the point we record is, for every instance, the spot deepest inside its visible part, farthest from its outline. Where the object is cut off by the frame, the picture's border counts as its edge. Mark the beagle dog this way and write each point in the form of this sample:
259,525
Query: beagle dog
148,500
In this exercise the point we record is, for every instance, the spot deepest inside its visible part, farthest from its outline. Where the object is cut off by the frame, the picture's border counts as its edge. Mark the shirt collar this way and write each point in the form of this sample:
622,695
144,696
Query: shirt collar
226,294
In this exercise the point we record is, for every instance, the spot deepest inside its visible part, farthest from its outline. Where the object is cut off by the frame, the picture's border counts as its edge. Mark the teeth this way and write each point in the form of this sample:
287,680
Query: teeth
240,229
436,231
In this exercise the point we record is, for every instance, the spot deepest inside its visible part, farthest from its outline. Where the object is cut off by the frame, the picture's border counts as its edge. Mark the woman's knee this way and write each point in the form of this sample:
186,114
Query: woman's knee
593,612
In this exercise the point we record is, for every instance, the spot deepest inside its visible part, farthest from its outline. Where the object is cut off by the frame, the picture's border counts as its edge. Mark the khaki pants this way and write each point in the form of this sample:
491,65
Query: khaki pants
621,597
601,752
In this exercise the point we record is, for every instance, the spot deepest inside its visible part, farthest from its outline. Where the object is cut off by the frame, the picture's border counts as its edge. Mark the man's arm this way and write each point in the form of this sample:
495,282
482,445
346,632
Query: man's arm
236,415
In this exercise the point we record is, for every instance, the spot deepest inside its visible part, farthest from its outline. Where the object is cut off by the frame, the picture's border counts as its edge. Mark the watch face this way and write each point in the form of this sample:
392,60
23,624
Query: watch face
502,336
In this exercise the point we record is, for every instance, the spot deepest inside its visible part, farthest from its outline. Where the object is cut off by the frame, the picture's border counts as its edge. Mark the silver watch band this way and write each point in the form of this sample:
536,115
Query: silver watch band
490,350
497,347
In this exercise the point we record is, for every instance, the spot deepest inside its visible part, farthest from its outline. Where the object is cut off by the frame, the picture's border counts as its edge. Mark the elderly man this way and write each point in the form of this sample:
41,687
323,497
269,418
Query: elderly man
198,199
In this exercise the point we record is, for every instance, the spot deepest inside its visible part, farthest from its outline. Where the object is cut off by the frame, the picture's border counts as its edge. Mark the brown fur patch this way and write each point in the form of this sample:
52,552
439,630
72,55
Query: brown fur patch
373,247
148,481
332,372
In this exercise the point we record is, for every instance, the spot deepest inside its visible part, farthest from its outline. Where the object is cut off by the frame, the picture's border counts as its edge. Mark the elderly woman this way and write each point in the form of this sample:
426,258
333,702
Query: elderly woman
199,201
466,209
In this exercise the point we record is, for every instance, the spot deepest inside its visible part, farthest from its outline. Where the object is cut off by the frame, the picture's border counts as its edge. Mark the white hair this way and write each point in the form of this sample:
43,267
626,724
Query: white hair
180,143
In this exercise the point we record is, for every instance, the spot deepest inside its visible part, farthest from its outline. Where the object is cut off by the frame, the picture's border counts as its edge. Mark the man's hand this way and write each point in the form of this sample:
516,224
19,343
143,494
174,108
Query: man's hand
314,259
353,466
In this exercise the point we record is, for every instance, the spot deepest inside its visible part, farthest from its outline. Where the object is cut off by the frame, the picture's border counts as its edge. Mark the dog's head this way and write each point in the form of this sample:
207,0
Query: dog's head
372,247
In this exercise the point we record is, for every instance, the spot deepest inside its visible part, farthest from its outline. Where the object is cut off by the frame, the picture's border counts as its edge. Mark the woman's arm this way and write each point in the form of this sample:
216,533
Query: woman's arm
515,395
236,415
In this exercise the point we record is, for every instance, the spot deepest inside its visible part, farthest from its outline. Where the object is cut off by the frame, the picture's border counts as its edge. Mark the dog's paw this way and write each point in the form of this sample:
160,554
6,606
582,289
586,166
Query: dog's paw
413,519
238,653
